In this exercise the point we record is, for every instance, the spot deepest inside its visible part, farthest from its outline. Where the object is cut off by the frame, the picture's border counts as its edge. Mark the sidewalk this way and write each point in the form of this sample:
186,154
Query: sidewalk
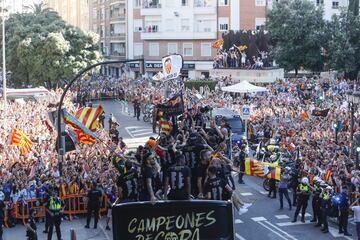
100,233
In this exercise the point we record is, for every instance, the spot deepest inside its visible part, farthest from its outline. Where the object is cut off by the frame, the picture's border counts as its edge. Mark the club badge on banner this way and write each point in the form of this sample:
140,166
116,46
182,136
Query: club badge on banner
172,65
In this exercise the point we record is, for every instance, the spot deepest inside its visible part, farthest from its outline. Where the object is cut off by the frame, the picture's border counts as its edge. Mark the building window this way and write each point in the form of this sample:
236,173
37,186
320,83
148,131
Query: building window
206,49
138,25
259,23
260,3
172,48
137,3
185,25
102,31
154,49
184,2
223,24
335,4
224,2
117,28
138,49
95,15
152,26
102,13
319,2
117,49
117,11
188,49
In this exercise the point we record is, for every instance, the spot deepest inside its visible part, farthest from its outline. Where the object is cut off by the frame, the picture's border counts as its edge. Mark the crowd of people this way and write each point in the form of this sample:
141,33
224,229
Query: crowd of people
190,158
237,58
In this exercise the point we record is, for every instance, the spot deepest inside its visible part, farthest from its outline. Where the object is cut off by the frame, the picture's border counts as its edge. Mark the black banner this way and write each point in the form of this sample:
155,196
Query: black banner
320,113
174,107
173,220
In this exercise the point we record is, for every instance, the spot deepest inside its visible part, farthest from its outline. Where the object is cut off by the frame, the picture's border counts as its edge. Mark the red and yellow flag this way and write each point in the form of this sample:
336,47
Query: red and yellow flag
327,175
262,169
88,117
19,139
218,43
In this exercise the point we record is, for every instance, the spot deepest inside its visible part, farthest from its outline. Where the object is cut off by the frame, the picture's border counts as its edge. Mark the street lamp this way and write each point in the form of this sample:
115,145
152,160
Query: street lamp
3,10
60,121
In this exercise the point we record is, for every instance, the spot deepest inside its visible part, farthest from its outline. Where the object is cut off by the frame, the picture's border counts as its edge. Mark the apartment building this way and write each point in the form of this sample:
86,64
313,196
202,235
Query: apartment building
330,7
20,6
188,27
74,12
108,18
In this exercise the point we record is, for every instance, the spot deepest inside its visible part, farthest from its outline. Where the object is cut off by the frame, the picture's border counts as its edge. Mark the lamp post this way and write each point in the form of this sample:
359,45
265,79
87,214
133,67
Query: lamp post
60,121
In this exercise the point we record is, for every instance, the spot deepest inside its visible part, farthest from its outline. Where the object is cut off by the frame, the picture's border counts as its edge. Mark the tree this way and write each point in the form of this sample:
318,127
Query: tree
354,7
43,49
296,30
344,44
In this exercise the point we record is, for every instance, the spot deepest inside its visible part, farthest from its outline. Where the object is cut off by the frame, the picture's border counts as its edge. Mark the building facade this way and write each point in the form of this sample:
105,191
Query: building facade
108,18
20,6
74,12
157,28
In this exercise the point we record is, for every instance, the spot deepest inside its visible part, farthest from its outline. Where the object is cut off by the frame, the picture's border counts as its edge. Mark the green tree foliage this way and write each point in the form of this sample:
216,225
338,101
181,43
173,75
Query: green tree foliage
354,7
344,44
296,30
42,49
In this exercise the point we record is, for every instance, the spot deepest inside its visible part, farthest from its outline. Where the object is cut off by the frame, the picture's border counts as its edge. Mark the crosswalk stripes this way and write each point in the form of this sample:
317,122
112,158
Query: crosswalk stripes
274,229
238,221
137,131
246,194
282,216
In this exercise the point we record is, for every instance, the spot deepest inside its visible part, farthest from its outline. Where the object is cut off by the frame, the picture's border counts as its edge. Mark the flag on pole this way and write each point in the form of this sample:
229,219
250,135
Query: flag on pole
85,123
218,43
262,169
19,139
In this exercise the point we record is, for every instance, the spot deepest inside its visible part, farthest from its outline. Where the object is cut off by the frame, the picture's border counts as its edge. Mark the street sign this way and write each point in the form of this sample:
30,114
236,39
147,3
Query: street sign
245,113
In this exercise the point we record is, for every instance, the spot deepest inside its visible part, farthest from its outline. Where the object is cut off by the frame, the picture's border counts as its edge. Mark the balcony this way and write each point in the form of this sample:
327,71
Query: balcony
204,7
151,8
177,35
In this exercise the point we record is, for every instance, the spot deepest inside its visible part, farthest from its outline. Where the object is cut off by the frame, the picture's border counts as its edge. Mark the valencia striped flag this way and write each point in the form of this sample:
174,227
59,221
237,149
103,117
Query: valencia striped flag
19,139
88,118
262,169
327,175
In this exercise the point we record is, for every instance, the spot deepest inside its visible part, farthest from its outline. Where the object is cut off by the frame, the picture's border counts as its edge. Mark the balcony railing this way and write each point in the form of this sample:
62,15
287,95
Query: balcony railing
202,3
151,4
118,54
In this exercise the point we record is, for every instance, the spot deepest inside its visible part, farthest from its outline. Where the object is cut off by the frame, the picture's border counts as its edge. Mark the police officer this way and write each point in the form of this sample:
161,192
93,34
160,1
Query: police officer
316,200
272,186
344,211
325,197
242,156
94,200
303,193
178,177
54,207
31,226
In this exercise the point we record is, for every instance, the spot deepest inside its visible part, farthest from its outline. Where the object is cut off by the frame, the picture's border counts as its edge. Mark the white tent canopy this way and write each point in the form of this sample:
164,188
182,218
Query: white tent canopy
244,87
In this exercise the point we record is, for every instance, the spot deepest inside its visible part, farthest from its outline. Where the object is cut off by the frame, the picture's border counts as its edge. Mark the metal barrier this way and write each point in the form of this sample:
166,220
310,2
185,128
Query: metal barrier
74,204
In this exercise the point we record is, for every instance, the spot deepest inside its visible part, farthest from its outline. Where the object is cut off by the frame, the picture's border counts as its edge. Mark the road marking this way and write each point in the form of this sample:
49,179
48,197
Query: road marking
142,134
264,192
285,224
270,229
141,130
280,230
258,219
128,131
246,194
282,216
308,215
239,237
334,232
238,221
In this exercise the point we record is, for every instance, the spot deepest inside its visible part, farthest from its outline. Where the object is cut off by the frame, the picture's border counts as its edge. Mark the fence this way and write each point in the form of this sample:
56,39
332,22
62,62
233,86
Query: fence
74,204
